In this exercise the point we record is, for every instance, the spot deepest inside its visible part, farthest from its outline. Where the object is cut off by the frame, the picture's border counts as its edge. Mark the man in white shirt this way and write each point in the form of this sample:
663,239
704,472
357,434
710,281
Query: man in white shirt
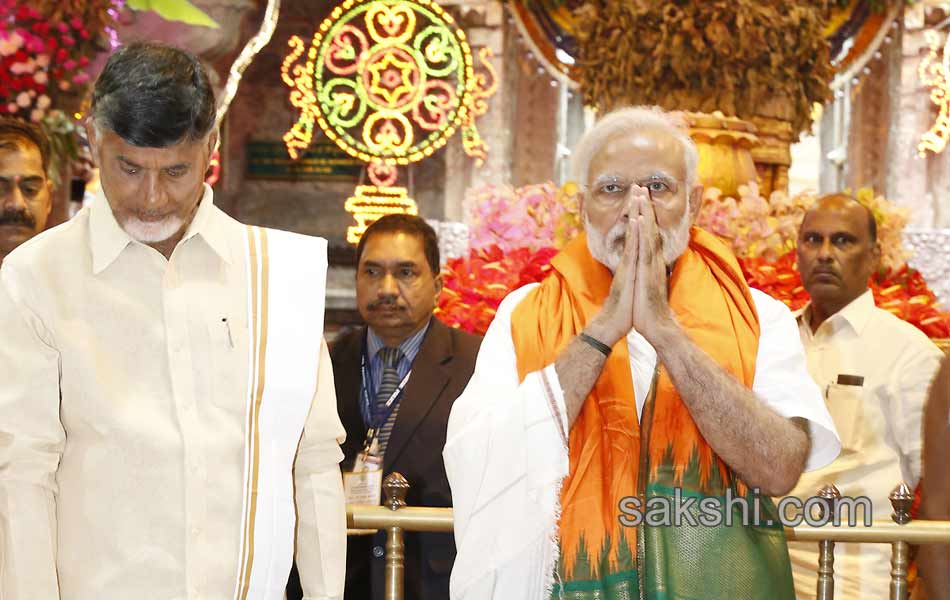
874,371
645,330
168,424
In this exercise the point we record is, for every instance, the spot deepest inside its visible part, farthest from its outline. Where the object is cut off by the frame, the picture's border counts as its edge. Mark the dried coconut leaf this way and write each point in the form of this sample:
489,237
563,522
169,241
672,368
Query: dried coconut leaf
779,43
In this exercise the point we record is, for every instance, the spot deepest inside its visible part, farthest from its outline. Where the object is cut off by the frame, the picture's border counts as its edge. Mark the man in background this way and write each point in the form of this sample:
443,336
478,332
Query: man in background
396,380
874,371
25,190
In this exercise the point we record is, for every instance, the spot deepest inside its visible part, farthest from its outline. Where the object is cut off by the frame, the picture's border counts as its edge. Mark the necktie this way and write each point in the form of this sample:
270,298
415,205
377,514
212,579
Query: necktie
387,385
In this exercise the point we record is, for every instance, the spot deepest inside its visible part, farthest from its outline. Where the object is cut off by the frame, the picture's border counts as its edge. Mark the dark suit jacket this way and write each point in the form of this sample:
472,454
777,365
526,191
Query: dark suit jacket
440,372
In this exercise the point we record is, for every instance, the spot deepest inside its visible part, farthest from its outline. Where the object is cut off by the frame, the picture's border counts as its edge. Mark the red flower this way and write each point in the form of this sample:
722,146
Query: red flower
61,55
474,286
83,61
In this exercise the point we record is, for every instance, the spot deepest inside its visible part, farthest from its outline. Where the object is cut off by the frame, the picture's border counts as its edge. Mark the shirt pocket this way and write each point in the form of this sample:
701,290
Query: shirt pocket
226,380
846,406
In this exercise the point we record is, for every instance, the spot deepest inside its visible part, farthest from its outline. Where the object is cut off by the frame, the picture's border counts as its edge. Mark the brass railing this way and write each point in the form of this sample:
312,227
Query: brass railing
396,518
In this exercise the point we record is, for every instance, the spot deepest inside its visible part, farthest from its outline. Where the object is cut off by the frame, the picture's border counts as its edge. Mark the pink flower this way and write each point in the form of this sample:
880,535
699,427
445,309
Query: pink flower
36,115
43,102
23,100
69,65
62,27
42,61
69,41
81,78
40,77
35,45
12,108
76,22
64,85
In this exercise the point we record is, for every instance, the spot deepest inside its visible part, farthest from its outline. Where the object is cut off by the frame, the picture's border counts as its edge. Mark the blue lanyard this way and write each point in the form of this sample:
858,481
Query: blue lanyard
378,415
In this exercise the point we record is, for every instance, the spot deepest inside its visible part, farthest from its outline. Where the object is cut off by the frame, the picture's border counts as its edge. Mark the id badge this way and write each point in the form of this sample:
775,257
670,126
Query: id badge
363,487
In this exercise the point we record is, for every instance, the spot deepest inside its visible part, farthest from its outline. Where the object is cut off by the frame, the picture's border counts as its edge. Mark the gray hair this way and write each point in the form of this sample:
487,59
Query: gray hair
626,121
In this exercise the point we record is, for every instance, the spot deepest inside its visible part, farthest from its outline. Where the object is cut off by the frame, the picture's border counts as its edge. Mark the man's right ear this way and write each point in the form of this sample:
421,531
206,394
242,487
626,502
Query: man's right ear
92,136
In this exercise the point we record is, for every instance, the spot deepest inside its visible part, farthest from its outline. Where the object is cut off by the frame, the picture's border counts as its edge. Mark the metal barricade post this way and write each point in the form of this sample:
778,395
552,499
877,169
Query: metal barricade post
396,489
826,548
901,500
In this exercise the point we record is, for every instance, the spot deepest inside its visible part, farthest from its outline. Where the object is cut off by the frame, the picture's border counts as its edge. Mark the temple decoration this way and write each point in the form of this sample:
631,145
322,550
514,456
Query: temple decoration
934,71
250,50
390,82
725,146
767,63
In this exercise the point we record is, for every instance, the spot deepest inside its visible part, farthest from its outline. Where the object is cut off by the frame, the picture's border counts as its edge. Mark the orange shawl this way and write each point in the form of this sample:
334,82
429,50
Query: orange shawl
712,303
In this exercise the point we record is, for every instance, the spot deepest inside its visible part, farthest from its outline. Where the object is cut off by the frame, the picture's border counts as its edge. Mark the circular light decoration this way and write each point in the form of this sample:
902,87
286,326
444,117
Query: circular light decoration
390,81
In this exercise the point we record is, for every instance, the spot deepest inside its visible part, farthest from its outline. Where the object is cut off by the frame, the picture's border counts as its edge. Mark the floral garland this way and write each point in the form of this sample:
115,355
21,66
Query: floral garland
534,216
756,227
474,286
39,59
43,63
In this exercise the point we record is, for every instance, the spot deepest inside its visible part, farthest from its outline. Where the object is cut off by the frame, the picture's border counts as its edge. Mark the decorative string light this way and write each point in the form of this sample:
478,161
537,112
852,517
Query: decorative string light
486,84
250,50
370,203
860,67
934,71
390,82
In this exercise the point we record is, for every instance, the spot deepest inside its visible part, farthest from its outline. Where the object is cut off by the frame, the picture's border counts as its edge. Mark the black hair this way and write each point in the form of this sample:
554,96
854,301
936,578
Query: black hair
13,130
152,95
410,224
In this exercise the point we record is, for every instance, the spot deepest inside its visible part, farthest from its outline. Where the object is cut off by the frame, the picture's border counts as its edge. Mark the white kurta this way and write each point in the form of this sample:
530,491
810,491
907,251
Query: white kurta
126,465
880,427
505,456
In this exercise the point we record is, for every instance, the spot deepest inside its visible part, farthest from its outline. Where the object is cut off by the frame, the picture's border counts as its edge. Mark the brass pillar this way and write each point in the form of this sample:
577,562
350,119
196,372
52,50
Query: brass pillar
901,500
396,488
825,589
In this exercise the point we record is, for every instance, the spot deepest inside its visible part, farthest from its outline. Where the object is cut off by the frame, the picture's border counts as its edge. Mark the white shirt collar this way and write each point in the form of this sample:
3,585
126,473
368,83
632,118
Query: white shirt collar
856,313
108,239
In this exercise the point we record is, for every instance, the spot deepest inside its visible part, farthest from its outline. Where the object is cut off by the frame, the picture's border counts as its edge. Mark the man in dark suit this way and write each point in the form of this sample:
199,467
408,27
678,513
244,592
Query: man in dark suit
396,380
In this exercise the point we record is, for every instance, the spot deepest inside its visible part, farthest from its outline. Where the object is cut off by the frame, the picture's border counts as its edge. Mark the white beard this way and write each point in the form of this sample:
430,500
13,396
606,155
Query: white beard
151,233
608,249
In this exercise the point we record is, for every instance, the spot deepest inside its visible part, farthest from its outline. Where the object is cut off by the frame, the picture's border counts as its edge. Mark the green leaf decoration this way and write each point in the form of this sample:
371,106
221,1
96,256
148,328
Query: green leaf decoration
181,11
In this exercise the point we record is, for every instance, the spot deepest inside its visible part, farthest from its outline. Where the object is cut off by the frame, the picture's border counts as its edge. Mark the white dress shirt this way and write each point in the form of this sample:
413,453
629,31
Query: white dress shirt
879,423
505,456
123,387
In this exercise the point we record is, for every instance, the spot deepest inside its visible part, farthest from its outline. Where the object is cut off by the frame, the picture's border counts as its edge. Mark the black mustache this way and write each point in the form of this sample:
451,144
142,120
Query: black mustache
17,217
387,302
